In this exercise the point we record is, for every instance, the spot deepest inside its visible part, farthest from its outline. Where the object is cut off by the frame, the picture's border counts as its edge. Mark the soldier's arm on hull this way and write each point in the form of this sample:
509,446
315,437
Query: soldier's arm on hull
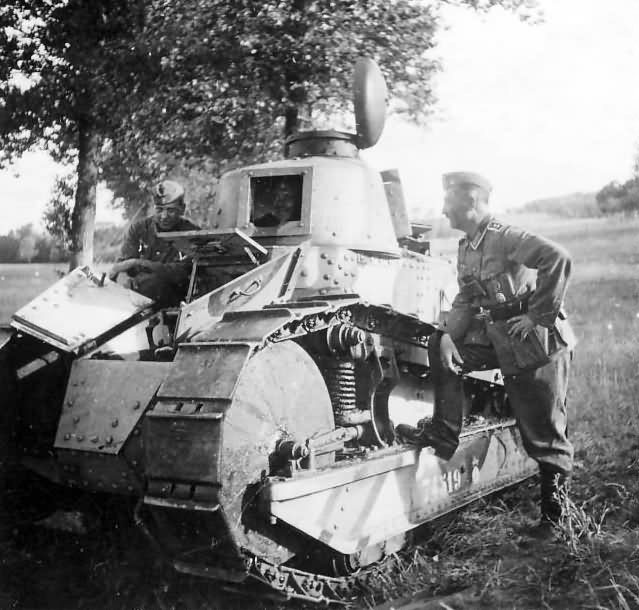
553,265
175,273
130,265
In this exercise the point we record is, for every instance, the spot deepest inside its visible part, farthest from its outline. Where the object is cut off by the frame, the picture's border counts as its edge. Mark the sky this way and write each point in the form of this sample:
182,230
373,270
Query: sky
540,110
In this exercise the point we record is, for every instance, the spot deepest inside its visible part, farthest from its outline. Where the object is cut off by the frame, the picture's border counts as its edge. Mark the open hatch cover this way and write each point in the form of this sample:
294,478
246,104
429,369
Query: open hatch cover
79,309
229,242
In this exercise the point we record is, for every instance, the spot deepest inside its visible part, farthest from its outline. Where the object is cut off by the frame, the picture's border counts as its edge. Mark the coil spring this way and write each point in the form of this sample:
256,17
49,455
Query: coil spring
340,380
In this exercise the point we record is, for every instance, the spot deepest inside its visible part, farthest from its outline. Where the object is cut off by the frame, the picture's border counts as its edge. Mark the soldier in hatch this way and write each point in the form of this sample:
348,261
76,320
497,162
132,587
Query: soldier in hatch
509,316
155,267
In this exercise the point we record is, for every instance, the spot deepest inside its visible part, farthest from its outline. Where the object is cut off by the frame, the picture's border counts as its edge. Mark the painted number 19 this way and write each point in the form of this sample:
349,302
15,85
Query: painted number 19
452,480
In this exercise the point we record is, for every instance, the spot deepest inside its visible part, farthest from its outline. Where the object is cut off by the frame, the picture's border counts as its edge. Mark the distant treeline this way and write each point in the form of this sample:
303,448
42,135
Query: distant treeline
618,197
28,245
614,198
573,205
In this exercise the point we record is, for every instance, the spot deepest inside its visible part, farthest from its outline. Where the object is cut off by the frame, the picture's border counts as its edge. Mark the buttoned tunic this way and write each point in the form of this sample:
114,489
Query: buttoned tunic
168,285
142,241
504,269
509,265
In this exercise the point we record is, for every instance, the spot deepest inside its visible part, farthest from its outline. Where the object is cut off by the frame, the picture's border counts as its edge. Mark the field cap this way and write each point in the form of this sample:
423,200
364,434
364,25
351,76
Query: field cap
453,179
168,193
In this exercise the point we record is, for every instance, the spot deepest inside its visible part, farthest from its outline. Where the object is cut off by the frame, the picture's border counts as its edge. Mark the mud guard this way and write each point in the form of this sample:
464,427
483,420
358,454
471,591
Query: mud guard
222,394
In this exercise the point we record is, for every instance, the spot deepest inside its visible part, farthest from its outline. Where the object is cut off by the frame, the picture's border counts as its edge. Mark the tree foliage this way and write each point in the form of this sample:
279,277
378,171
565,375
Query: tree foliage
66,68
136,89
619,196
58,213
235,78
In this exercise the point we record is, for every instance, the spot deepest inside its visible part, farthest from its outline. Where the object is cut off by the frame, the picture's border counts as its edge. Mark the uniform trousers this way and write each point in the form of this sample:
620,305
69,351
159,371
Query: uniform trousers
537,398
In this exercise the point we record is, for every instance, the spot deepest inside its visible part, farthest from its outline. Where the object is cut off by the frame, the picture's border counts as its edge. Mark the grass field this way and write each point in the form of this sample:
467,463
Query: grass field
480,555
20,283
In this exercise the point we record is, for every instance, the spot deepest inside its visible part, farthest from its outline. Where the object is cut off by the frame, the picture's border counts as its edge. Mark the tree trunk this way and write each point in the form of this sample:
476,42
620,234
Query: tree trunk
83,218
291,122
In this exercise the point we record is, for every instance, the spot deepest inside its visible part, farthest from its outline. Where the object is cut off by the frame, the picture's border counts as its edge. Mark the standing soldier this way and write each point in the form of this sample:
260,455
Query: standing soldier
155,267
507,314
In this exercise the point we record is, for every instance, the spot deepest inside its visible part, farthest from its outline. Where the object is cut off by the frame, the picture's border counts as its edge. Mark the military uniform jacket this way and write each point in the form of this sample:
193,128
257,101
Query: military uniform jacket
142,241
503,269
170,282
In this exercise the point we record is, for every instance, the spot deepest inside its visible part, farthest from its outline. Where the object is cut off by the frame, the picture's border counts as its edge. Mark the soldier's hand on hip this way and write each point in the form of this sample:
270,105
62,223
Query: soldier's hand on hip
520,326
449,354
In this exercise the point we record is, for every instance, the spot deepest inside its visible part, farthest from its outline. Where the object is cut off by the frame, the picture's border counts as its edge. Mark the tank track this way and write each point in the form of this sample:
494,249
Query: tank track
373,318
292,583
284,583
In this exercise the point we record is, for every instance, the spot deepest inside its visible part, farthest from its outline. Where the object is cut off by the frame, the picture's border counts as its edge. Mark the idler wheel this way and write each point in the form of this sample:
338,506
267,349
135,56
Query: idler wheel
280,394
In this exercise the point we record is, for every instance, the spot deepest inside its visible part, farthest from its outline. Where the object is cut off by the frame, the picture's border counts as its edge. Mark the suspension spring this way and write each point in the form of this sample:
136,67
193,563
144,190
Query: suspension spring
340,380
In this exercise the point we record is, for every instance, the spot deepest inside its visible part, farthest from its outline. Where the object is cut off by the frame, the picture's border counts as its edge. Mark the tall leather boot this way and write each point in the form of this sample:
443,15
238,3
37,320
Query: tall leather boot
442,431
553,487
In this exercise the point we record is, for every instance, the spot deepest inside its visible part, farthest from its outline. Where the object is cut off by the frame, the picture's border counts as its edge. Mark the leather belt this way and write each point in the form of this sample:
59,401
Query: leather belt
503,312
508,310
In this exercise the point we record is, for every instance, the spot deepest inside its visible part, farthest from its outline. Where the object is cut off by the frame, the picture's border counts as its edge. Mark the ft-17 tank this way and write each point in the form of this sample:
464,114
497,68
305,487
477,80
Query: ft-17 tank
255,422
